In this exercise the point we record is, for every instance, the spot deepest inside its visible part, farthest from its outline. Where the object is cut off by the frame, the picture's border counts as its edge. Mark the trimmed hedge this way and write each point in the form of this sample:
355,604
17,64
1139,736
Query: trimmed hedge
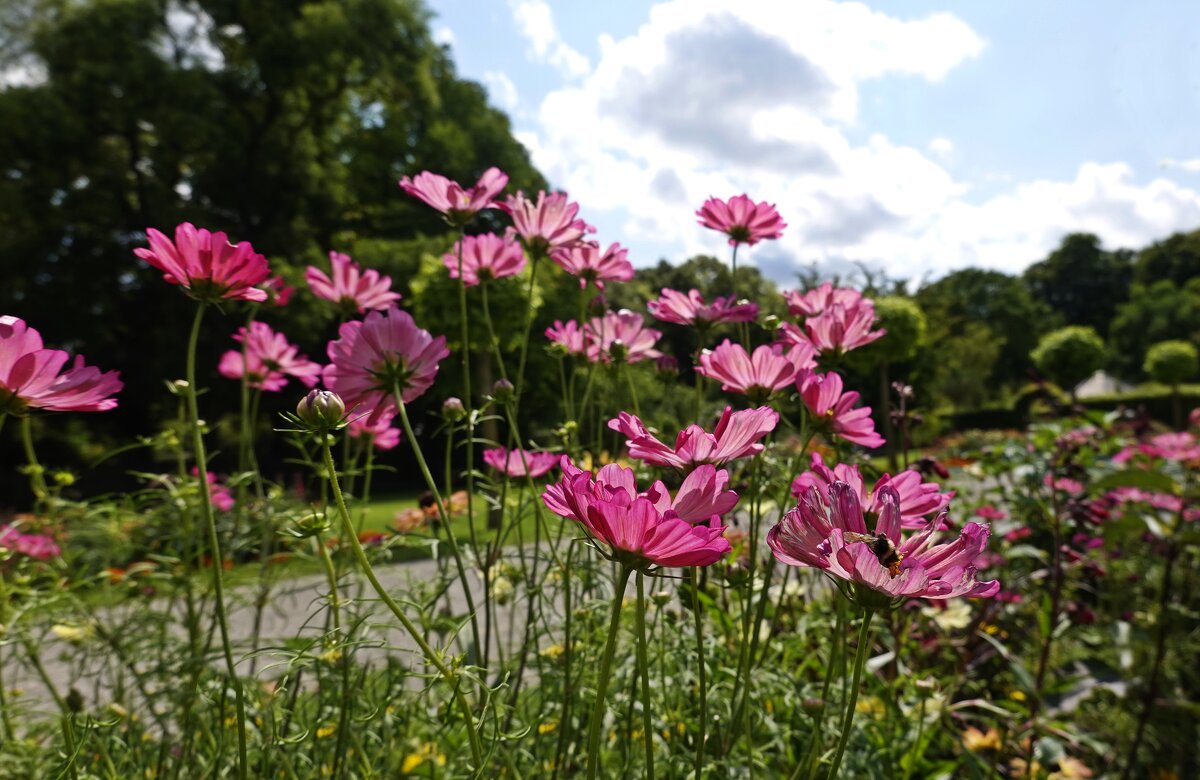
1156,399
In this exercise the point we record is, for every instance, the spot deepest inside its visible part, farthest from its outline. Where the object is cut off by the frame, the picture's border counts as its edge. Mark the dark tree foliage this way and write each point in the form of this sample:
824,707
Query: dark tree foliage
1175,259
1081,281
285,123
1162,311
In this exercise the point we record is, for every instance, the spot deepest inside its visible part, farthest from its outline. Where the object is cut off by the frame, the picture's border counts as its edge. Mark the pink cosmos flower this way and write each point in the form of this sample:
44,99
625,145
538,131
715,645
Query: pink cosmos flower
830,533
621,337
448,197
267,359
278,291
1064,484
1163,501
737,435
547,223
32,376
384,436
586,261
219,494
743,220
758,376
820,298
206,264
351,288
690,309
516,462
836,330
39,547
822,394
1194,419
568,337
989,512
382,354
485,257
647,529
918,498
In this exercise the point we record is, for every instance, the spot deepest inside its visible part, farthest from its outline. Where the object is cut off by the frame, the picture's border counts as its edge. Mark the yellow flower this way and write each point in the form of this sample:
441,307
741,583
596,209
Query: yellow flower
73,633
1070,769
326,731
547,728
331,656
870,705
411,762
552,652
426,752
1017,696
978,741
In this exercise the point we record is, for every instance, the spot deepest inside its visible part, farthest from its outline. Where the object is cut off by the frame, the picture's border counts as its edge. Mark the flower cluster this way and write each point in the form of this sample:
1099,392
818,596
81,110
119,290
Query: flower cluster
266,360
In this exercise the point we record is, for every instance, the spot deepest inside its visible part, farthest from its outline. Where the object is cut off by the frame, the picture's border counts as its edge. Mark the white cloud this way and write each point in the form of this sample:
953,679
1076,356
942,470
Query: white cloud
536,24
443,36
719,97
501,89
1187,166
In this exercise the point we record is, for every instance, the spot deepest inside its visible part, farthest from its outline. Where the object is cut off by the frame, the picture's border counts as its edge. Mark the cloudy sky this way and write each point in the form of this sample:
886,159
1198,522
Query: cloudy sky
914,136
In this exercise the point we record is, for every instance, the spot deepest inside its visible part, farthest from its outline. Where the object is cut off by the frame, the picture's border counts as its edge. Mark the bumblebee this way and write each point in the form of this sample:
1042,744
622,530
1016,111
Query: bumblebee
883,548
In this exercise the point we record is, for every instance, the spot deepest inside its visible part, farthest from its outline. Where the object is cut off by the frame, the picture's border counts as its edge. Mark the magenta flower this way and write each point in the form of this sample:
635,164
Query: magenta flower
485,257
448,197
621,337
278,291
822,394
545,224
206,264
839,328
737,435
351,288
266,360
586,261
1165,446
820,298
989,512
647,529
829,532
690,309
39,547
382,434
219,494
758,376
515,463
32,376
380,356
918,498
568,337
743,220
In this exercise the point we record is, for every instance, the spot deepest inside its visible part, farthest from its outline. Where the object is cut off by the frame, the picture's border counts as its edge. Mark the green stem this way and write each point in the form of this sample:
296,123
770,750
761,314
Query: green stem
434,658
633,396
698,616
214,542
610,646
37,476
860,660
644,671
469,403
335,615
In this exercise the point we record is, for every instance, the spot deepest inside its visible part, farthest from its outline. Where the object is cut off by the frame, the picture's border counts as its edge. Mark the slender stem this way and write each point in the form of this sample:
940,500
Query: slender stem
701,666
610,646
469,403
1055,601
860,659
214,542
37,475
644,671
633,396
444,515
434,658
335,615
819,719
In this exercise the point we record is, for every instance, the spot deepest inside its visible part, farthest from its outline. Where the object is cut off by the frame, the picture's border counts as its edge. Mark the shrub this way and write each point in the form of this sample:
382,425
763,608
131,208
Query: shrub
1069,355
1171,362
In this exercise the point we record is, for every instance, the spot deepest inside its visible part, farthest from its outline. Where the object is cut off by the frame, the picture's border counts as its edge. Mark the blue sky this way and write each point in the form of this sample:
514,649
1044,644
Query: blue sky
916,137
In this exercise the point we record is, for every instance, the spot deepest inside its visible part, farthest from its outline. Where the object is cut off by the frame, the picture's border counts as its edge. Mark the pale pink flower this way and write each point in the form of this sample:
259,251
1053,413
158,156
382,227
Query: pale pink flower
737,435
817,533
547,223
918,498
515,463
32,376
485,257
206,264
989,512
647,529
568,337
758,376
830,407
39,547
351,288
743,220
820,298
383,435
458,205
1194,419
690,309
840,329
383,354
266,360
589,263
621,337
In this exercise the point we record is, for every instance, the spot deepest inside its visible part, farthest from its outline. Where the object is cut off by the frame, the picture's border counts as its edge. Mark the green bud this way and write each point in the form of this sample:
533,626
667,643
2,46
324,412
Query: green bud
321,409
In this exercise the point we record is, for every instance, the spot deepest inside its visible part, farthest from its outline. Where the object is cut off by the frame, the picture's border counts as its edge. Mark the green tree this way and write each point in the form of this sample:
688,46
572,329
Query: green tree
1069,355
962,366
1172,363
1082,282
1175,258
1162,311
906,328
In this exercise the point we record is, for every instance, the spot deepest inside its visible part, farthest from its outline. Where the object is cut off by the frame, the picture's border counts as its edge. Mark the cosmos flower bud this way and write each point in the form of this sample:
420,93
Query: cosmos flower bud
502,391
453,409
321,409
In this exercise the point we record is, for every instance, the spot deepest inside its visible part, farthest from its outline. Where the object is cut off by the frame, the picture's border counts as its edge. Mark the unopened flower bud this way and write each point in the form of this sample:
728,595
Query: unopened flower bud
813,705
772,322
453,409
178,387
618,350
310,525
502,590
667,364
321,409
502,391
661,598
